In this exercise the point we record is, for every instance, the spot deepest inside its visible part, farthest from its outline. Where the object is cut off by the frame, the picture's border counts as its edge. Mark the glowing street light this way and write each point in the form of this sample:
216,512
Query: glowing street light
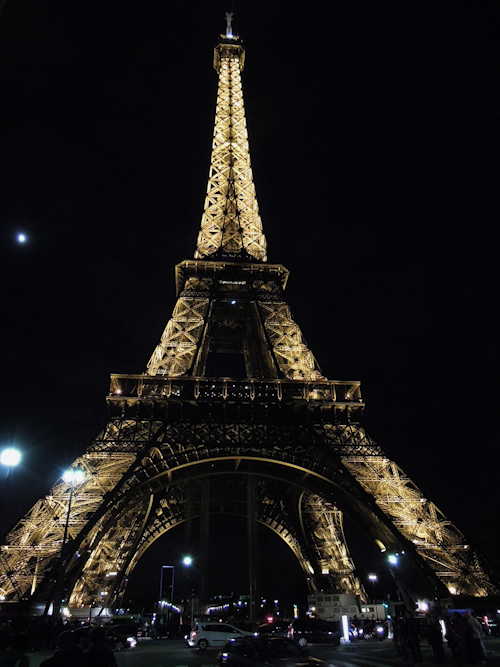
21,238
187,561
74,476
372,577
393,559
10,457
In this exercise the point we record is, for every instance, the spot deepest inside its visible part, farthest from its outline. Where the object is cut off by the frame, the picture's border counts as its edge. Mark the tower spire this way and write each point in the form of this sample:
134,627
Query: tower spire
229,26
231,227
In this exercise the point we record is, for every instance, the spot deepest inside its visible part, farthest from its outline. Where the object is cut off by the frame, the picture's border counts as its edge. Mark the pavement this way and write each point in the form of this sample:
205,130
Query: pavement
173,653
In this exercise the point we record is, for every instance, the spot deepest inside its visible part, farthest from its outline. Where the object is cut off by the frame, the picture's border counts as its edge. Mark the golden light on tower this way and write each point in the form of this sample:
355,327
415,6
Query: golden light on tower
281,418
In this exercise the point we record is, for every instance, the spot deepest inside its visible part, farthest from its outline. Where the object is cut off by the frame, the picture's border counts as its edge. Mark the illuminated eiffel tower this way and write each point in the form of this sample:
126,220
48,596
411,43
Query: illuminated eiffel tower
232,416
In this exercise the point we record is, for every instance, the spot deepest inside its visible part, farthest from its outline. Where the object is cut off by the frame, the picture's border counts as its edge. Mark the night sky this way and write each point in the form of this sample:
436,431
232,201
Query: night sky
373,131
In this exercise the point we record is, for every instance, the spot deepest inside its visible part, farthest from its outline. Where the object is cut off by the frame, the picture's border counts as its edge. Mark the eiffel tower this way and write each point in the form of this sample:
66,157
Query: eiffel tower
231,416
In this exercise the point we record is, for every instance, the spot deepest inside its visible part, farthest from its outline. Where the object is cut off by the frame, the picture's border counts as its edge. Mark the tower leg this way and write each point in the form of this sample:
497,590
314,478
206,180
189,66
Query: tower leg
252,547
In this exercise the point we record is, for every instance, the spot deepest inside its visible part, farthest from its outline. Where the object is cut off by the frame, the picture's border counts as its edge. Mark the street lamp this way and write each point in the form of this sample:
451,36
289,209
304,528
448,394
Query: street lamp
72,477
393,559
372,578
166,567
187,561
10,457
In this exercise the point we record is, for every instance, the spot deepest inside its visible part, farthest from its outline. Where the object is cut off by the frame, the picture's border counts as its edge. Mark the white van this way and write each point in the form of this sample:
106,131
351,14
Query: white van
208,634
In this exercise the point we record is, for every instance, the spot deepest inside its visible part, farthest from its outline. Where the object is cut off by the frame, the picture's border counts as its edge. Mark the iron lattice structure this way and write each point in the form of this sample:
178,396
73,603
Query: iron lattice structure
231,223
179,428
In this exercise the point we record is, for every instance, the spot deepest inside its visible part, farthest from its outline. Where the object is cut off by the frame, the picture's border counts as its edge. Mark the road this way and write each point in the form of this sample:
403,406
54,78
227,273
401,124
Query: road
164,653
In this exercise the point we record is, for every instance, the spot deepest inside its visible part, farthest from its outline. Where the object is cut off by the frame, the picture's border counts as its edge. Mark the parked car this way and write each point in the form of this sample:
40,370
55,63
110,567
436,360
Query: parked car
305,631
265,651
117,636
123,635
273,630
208,634
374,630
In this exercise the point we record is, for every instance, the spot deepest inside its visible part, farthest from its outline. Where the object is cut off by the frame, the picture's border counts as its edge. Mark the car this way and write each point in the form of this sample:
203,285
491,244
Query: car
123,635
206,634
116,637
314,630
273,630
264,651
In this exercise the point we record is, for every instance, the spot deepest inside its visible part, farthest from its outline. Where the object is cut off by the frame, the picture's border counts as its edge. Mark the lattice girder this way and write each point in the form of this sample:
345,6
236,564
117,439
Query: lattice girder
123,544
294,358
34,544
302,453
177,348
436,539
172,455
172,509
323,524
230,223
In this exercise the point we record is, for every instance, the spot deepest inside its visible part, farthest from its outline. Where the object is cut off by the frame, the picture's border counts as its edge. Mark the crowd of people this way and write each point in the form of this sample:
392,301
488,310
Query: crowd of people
464,635
69,647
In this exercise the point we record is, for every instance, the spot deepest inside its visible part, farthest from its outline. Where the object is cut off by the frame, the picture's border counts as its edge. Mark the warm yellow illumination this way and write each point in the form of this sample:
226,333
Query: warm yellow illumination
174,426
230,221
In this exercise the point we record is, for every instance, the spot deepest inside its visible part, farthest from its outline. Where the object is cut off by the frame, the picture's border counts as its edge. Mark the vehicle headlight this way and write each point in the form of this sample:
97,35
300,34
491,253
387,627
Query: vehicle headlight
380,628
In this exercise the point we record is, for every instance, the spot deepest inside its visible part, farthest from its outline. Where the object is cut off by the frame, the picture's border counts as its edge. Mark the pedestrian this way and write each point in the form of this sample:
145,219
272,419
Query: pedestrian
100,654
67,654
406,637
455,636
435,638
397,637
413,639
12,653
476,651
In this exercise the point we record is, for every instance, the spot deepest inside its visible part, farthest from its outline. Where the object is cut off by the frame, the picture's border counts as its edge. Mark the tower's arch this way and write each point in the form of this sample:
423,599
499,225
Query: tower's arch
295,500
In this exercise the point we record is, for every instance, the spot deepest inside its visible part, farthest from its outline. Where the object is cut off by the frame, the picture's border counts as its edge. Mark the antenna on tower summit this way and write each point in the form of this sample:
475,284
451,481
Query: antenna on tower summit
229,27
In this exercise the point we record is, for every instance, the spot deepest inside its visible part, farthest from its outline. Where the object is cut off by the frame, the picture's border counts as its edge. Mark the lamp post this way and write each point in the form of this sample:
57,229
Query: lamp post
188,561
404,595
166,567
10,457
372,578
73,477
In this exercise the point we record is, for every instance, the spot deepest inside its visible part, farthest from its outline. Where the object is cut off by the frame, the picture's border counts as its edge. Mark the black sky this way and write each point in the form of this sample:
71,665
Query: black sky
373,130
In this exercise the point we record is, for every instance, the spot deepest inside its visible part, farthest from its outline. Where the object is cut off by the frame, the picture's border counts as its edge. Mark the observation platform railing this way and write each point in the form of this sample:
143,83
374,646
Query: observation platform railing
202,389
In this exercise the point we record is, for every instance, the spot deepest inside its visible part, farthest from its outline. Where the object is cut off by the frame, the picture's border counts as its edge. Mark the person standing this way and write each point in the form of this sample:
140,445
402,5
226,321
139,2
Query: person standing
414,639
100,654
476,650
67,654
435,638
455,634
12,653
